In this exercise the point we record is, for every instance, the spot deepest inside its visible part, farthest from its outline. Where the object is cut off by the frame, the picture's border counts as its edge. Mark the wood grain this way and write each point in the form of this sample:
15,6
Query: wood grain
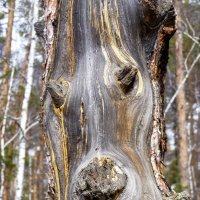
104,50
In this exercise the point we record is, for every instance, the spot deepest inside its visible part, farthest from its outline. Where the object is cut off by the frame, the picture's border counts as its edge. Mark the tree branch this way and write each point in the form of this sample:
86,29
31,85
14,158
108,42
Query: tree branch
24,133
181,85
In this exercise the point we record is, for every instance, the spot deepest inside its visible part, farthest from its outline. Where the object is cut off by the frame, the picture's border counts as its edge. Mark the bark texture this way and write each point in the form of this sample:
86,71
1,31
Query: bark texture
4,87
6,66
102,103
181,102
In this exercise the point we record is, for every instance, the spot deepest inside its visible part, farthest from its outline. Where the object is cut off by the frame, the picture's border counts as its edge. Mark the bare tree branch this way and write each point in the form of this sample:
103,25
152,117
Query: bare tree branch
26,131
181,85
194,39
190,26
188,55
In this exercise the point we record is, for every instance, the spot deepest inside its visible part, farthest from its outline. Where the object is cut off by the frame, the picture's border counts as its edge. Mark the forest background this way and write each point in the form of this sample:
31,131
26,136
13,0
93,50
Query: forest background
24,159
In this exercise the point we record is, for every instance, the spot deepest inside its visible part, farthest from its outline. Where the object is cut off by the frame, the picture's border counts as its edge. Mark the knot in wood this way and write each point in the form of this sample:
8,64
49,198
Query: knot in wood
39,28
58,92
126,77
102,179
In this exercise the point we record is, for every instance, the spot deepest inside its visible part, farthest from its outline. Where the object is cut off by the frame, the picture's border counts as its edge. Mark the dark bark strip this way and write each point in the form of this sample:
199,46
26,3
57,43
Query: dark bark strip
157,70
103,98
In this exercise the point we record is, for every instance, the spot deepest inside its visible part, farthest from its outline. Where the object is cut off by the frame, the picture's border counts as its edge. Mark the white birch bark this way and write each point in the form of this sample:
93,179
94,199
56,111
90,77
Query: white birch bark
4,130
22,146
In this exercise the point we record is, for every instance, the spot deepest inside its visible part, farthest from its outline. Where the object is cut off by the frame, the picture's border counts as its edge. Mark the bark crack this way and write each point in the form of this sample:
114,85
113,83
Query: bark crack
157,72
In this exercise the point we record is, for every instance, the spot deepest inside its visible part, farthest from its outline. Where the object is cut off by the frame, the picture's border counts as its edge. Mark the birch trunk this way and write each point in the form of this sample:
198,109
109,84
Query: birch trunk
3,131
181,102
102,104
24,114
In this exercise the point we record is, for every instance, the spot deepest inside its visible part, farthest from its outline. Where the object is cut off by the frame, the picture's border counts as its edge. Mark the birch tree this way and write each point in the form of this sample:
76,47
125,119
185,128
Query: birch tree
24,114
4,131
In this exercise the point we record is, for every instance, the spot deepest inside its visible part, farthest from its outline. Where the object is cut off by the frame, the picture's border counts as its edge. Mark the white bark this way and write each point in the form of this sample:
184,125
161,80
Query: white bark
24,114
4,130
190,163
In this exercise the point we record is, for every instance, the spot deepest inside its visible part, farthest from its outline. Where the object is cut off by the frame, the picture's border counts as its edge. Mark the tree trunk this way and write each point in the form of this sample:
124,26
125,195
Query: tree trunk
4,97
3,131
181,101
34,175
41,167
102,103
7,47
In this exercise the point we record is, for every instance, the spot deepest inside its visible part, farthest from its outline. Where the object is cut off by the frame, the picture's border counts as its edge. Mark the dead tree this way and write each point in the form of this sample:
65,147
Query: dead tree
102,102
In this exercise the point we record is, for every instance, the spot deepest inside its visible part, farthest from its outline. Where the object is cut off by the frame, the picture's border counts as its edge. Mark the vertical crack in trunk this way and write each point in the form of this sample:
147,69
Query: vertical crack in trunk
157,71
70,39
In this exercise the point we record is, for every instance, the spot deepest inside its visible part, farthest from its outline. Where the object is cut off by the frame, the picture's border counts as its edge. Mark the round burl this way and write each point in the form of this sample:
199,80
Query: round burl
102,179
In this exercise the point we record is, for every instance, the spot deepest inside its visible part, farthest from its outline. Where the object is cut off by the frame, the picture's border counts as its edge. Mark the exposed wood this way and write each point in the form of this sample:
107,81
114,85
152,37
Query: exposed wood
112,57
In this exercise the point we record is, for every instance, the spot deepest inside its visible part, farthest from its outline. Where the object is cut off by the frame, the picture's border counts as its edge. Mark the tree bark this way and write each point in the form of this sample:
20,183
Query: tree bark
4,97
3,131
7,47
102,103
181,101
35,176
41,188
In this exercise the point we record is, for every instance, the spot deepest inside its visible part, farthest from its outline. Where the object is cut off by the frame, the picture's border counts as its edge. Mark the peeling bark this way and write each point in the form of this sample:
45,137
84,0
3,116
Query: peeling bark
111,57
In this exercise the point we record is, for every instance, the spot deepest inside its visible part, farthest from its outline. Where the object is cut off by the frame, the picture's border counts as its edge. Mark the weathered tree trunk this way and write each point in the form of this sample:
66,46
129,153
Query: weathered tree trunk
181,102
103,97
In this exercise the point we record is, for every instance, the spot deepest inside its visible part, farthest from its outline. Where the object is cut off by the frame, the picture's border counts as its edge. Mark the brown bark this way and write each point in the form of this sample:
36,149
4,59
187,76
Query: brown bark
6,190
41,168
9,171
35,176
7,47
102,104
181,101
6,66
